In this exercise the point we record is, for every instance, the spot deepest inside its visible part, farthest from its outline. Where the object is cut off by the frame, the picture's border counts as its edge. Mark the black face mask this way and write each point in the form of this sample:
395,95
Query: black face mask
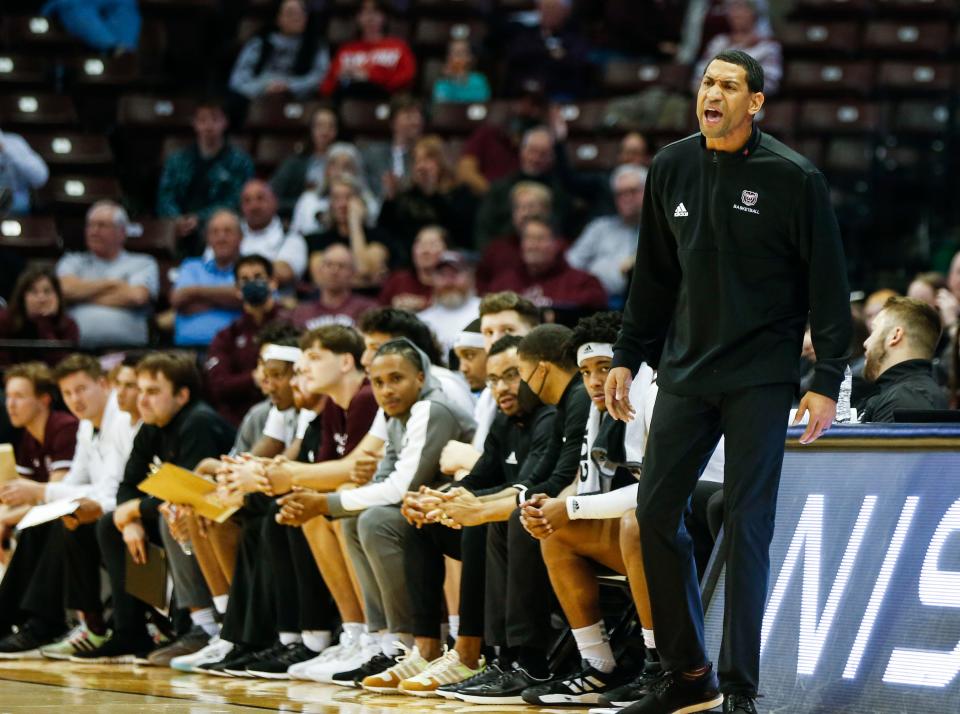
256,292
527,399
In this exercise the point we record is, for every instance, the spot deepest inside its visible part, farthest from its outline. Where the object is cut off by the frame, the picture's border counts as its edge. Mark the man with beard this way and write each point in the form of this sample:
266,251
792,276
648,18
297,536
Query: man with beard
455,302
899,353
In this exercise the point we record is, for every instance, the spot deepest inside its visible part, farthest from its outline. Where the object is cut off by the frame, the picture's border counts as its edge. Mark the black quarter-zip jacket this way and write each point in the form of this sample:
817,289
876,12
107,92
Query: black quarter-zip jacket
736,251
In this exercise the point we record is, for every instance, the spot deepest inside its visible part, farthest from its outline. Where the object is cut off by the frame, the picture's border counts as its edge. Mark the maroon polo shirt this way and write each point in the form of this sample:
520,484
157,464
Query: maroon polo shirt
344,429
311,315
404,282
37,460
562,286
497,156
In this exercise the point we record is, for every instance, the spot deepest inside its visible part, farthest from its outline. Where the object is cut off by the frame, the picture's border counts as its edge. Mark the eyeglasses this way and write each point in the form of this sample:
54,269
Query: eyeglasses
511,376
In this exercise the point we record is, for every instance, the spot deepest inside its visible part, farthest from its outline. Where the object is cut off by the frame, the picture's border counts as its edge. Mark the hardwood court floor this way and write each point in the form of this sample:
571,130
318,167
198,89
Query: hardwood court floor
46,686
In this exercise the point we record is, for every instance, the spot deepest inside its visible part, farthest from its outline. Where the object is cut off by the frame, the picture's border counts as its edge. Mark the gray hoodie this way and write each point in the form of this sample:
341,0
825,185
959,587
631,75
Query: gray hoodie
414,443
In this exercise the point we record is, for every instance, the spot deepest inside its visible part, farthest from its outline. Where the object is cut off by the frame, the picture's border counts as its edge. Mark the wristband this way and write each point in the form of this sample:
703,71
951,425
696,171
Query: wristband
521,493
573,508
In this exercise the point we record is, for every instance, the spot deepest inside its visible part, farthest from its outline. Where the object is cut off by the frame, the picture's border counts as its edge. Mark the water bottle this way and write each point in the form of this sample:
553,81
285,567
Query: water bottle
843,400
185,545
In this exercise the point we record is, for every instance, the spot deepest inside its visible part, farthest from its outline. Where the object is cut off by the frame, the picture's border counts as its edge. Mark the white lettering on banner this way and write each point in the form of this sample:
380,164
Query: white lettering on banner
938,588
808,540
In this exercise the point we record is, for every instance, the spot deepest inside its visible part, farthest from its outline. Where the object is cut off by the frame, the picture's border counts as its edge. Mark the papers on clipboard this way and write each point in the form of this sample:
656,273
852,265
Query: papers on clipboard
47,512
180,486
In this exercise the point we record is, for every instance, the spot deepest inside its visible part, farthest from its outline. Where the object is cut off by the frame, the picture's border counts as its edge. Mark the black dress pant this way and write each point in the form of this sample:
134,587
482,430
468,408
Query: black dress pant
698,522
518,591
250,618
129,613
684,432
81,568
425,570
32,586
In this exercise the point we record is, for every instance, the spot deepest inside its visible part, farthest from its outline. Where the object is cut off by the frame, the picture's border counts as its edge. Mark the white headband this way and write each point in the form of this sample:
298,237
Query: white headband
594,349
283,353
469,339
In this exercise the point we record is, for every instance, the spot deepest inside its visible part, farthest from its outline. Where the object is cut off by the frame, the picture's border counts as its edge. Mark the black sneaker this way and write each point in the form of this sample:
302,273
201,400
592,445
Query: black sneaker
239,655
634,690
238,668
738,704
25,643
118,650
675,694
506,688
375,665
582,687
449,691
194,640
276,667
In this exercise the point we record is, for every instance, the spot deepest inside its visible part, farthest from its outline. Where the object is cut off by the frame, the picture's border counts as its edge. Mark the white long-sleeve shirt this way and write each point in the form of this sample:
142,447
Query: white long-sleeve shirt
99,459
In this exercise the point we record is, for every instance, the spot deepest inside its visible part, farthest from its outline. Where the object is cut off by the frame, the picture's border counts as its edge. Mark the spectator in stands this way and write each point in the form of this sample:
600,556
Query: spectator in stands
926,287
632,28
635,150
608,245
204,295
545,278
874,304
459,82
21,171
36,312
528,199
490,152
412,289
552,52
202,178
744,35
389,164
433,198
105,25
263,233
311,214
332,270
373,66
110,290
286,57
537,164
233,352
455,301
306,169
898,357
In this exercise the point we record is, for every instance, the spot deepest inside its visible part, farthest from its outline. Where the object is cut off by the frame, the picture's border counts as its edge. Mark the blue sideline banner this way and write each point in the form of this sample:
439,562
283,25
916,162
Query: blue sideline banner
863,603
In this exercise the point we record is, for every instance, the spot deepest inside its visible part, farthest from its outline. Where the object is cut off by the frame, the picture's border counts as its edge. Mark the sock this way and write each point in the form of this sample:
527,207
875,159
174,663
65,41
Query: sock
388,640
94,622
534,661
220,603
317,640
648,640
354,630
288,638
454,622
205,620
594,646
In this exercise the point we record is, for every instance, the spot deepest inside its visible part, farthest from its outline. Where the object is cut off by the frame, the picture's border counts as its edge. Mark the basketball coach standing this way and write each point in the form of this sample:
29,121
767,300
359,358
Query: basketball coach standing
738,248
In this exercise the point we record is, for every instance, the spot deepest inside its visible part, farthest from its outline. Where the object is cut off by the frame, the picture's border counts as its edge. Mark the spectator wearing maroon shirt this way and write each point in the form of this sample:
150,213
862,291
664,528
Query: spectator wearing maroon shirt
545,278
333,272
36,313
374,65
233,353
528,199
31,593
412,290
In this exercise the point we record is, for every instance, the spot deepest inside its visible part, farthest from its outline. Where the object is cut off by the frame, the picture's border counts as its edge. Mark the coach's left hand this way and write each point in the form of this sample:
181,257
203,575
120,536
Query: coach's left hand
822,410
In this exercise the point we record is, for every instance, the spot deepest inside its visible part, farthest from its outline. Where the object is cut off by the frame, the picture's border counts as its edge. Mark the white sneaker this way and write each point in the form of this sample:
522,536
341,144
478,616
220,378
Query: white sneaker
215,651
352,658
346,644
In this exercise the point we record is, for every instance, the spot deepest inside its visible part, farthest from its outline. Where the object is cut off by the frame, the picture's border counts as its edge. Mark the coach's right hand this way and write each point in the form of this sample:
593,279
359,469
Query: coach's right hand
136,539
617,393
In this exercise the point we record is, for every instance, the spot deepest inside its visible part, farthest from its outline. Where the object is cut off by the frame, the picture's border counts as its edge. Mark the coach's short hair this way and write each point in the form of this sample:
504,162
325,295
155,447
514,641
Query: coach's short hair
919,321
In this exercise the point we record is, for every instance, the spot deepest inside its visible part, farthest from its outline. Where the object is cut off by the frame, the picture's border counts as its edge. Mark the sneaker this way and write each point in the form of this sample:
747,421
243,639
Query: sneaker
344,663
449,691
507,688
341,650
674,694
738,704
238,667
406,665
117,650
238,654
277,666
635,690
582,687
80,639
352,678
194,640
447,669
25,643
215,651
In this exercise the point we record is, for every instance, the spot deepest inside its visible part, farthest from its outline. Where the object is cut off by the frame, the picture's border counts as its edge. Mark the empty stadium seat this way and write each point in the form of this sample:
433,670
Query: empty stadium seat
585,117
911,8
829,77
586,155
154,112
31,236
930,38
849,155
778,118
911,77
625,76
811,148
36,34
820,37
82,190
93,70
432,35
22,71
921,117
839,116
365,117
448,8
280,114
456,118
156,236
832,8
273,150
28,109
71,150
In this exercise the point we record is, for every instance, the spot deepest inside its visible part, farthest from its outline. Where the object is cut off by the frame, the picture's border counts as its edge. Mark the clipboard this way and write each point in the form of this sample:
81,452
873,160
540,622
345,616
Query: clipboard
148,582
8,463
47,512
176,485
